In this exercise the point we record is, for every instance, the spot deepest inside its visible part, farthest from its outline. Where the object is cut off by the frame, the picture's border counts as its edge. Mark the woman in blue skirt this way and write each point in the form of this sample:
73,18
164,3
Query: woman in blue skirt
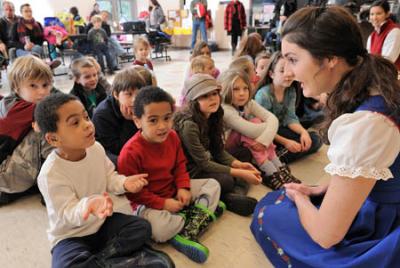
354,220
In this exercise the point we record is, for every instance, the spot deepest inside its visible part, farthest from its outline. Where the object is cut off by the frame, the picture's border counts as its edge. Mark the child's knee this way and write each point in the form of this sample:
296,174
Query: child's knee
165,230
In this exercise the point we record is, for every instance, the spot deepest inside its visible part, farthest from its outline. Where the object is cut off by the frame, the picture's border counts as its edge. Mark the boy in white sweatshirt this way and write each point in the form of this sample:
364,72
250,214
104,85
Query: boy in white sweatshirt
89,221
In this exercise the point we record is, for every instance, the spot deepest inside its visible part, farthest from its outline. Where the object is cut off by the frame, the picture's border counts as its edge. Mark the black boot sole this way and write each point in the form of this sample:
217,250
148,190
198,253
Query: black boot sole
240,204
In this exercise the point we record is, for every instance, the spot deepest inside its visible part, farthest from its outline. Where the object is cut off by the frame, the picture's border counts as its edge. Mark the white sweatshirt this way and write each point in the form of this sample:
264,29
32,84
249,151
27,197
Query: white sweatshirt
263,133
67,186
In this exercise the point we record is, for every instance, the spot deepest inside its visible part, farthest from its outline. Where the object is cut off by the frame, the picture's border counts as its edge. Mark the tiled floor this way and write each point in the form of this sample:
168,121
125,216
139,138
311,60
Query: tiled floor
23,224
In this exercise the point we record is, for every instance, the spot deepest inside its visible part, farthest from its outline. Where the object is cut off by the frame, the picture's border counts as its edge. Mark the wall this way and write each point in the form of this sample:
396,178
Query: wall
217,33
47,8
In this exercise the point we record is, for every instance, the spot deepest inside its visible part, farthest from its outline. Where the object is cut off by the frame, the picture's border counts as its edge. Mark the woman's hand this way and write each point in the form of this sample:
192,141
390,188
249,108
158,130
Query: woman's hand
306,189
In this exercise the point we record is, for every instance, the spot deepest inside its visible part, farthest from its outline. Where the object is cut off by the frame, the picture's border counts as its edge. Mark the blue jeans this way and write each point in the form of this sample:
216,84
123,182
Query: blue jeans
36,50
198,23
290,134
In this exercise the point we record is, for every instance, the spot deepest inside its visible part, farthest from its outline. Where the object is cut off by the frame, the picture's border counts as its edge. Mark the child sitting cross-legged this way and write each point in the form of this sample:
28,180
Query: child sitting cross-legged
178,209
21,149
87,87
248,124
90,220
113,118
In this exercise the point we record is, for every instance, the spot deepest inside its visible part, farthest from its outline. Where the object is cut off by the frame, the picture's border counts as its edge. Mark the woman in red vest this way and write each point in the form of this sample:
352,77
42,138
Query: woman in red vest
385,39
235,21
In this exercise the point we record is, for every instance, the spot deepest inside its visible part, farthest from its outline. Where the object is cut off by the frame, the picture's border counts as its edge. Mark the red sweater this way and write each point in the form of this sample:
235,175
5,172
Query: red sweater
377,39
229,12
164,162
148,63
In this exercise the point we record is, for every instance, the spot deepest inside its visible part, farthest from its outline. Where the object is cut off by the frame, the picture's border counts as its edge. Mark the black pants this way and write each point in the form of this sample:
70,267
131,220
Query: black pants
289,134
124,233
234,38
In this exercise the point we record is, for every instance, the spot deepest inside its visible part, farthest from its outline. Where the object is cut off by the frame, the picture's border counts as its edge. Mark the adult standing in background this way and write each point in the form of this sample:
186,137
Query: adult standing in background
157,16
385,39
235,22
198,8
78,21
95,11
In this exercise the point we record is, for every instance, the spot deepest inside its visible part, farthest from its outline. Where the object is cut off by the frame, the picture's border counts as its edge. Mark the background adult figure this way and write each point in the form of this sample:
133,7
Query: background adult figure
198,8
7,21
235,21
27,34
78,21
385,39
95,11
354,220
157,16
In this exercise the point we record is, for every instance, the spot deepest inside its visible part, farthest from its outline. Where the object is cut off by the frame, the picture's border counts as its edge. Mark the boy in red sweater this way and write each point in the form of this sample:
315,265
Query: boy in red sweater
156,150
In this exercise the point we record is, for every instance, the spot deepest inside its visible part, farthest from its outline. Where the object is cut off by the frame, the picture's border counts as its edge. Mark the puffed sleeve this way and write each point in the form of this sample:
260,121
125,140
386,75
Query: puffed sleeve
363,144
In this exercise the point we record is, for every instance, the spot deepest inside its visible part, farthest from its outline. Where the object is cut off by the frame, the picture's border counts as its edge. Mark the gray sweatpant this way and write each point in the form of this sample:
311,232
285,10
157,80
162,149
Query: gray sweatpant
18,172
166,225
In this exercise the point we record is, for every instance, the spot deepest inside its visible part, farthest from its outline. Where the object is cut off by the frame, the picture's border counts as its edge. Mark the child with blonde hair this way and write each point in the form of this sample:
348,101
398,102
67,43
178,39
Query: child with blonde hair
201,64
99,40
261,62
86,86
22,149
250,125
148,76
245,64
142,49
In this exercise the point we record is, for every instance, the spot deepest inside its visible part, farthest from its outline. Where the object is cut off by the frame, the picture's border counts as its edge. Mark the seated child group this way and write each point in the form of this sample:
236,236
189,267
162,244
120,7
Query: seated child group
121,165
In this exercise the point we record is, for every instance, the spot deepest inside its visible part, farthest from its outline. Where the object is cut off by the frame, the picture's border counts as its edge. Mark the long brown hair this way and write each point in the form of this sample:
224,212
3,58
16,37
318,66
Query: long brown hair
212,127
329,32
250,45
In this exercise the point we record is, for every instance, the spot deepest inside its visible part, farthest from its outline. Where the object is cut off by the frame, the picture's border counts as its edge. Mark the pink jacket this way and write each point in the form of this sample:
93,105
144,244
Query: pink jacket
51,38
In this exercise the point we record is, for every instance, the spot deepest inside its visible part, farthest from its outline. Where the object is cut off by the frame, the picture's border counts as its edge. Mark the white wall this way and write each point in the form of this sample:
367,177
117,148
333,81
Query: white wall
48,8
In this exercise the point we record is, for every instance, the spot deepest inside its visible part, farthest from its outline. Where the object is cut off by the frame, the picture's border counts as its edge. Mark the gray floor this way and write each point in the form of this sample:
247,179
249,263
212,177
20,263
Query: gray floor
23,224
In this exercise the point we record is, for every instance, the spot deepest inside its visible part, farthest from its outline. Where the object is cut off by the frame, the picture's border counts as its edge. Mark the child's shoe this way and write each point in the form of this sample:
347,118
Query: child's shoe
198,218
220,209
240,204
287,176
274,181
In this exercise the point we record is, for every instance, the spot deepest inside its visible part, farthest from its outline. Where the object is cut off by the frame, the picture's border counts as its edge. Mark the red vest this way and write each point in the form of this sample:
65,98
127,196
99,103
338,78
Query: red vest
377,39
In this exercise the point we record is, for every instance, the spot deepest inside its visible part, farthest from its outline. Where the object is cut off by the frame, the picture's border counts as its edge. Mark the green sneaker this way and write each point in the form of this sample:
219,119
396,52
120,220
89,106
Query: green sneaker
220,209
191,248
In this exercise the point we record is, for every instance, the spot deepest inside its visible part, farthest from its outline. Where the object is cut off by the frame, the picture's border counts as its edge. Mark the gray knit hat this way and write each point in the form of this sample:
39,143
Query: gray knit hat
198,85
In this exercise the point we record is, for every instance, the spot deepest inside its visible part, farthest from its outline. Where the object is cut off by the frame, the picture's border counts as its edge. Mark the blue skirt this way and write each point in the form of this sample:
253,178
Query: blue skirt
373,239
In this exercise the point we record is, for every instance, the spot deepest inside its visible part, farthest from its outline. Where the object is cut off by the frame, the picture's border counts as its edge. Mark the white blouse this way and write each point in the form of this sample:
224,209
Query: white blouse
363,144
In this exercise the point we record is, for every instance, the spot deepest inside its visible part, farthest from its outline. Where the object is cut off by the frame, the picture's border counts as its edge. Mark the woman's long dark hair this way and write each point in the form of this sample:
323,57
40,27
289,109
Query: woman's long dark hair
213,127
155,3
329,32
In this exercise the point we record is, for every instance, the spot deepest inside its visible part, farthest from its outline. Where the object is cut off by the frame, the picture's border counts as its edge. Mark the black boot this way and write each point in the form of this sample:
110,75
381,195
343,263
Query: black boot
241,187
240,204
145,257
287,176
274,181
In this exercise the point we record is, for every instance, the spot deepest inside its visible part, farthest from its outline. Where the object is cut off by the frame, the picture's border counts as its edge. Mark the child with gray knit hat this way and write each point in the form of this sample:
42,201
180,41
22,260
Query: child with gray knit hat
200,127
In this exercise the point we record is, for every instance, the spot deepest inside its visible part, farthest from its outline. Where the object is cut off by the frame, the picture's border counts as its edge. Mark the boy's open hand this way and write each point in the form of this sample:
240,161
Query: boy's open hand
184,196
173,205
135,183
100,206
